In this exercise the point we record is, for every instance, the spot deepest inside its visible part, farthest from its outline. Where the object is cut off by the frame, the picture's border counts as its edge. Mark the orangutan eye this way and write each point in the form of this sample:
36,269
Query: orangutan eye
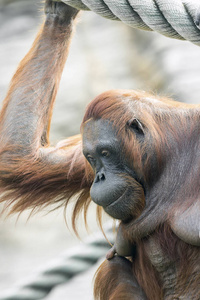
105,153
90,158
136,126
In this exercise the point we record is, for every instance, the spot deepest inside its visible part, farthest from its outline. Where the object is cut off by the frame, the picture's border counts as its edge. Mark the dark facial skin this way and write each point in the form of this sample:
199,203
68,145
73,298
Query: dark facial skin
110,188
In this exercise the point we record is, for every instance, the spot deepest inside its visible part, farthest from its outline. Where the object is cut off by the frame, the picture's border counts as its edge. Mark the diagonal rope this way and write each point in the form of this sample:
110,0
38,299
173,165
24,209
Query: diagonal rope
171,18
79,260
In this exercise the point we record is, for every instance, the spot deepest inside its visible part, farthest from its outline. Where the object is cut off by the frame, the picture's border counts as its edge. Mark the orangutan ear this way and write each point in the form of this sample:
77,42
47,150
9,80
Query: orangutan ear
136,126
186,224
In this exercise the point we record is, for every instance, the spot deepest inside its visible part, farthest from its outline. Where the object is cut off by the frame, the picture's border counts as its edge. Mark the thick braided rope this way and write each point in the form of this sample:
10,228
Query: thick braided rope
79,260
172,18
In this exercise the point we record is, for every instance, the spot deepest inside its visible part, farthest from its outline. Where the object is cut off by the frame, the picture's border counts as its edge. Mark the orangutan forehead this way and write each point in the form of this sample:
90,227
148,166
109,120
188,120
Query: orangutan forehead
120,109
96,128
98,134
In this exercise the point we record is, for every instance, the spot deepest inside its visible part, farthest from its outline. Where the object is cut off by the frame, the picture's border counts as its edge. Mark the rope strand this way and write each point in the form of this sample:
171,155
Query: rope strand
77,261
177,19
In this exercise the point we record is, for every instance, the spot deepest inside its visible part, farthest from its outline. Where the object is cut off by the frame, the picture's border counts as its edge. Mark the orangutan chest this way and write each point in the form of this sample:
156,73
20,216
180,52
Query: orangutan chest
168,270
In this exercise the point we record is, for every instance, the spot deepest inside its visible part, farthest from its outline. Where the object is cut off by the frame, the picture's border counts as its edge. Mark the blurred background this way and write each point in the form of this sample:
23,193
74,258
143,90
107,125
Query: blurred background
104,55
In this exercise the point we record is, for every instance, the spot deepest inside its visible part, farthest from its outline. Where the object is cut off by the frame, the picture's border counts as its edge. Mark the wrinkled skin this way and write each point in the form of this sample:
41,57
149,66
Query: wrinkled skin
111,188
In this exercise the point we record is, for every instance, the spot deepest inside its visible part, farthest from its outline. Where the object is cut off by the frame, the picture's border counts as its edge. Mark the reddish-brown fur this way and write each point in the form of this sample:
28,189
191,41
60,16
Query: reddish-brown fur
168,122
33,174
